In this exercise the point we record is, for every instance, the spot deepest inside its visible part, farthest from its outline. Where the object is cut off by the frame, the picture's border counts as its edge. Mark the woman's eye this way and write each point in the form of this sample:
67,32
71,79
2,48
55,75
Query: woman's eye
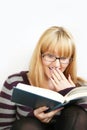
63,58
49,55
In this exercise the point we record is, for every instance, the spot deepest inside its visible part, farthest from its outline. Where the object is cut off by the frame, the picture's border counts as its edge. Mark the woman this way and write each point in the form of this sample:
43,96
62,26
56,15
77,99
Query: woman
52,66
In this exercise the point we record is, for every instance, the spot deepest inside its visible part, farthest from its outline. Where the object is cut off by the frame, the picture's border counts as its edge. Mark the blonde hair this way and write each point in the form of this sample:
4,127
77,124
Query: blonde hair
53,38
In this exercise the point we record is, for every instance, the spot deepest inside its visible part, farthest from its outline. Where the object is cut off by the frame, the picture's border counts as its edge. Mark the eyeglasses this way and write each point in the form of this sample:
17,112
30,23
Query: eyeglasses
52,58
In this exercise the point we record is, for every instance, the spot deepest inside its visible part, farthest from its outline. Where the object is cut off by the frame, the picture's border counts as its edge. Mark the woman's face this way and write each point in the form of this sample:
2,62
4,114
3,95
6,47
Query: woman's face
51,61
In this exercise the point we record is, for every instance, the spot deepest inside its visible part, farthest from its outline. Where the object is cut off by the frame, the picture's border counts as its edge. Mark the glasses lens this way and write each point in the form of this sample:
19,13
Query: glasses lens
52,58
64,60
49,57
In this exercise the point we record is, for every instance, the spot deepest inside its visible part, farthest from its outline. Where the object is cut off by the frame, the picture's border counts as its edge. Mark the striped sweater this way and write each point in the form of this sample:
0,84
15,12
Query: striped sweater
10,111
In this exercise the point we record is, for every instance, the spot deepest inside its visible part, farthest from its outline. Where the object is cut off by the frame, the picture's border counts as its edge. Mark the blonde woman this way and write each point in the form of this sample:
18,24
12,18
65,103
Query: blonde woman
52,66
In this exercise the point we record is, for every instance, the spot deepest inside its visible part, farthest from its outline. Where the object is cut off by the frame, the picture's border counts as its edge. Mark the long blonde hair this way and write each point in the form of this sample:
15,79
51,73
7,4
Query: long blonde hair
54,37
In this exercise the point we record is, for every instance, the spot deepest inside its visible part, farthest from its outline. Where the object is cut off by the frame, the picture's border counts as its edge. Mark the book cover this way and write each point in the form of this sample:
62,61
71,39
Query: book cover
35,97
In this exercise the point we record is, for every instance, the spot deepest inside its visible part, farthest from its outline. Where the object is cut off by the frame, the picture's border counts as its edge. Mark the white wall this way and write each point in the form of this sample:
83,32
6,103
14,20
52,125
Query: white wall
23,21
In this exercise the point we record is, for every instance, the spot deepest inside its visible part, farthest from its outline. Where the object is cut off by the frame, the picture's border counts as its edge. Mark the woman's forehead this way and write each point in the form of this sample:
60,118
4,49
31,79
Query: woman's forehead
61,46
59,50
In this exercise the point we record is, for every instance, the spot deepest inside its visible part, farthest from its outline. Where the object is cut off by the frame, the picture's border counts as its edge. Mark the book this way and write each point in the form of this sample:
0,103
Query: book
36,97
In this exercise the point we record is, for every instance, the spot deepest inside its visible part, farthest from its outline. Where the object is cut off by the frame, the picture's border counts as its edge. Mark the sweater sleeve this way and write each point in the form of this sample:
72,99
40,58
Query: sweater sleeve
10,111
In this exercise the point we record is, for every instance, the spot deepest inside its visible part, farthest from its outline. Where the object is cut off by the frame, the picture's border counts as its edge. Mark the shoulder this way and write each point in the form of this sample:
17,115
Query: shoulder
12,82
18,74
16,78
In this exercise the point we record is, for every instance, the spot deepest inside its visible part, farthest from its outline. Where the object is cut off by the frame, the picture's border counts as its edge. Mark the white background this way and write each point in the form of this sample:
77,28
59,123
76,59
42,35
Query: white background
23,21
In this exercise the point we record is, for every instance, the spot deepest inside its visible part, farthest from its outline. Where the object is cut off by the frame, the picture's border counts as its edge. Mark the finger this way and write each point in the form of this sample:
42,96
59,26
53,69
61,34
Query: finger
41,109
70,80
56,78
47,120
54,83
52,113
56,75
61,74
56,111
39,113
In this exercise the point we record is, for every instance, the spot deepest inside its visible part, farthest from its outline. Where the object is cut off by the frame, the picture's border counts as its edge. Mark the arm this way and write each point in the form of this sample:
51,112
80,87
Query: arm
9,111
7,108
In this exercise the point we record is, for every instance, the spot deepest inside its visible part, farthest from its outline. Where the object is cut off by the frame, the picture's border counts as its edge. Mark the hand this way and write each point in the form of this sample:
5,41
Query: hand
59,80
45,117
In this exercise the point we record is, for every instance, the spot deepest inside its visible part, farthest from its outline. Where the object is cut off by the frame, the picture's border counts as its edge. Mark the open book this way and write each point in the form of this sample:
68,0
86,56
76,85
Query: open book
37,97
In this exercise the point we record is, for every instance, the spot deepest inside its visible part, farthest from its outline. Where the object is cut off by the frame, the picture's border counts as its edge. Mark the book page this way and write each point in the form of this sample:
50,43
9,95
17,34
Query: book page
42,92
76,93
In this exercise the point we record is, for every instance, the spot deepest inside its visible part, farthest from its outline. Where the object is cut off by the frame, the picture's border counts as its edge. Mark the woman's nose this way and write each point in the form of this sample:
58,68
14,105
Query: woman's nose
57,63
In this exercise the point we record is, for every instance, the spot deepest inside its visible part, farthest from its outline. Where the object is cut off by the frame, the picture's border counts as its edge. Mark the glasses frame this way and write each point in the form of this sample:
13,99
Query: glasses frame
59,58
